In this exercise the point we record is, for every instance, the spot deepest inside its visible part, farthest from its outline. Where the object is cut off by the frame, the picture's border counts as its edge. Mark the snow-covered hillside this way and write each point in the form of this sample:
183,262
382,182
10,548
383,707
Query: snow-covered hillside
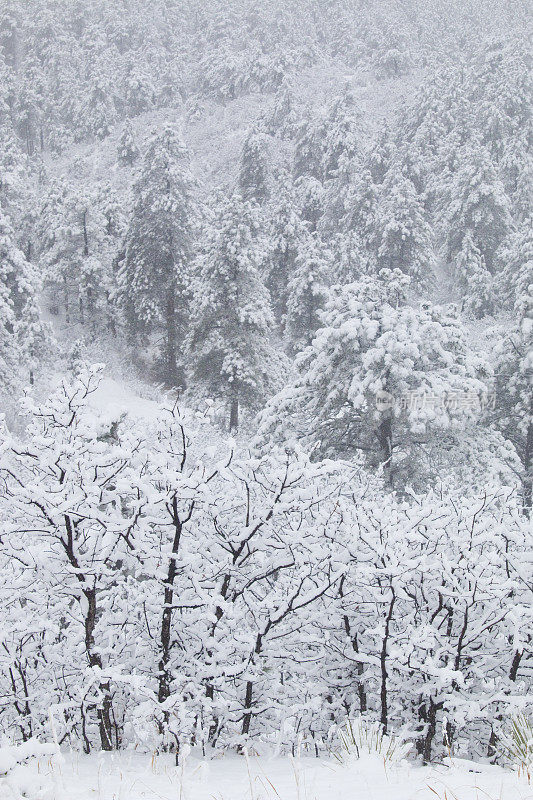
266,397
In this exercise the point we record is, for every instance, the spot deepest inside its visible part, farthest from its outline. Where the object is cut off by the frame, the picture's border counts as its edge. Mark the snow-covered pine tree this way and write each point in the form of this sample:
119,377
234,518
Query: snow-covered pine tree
77,240
473,275
310,199
342,133
253,168
307,291
381,378
229,345
153,281
381,156
285,233
478,204
9,357
517,259
362,214
127,150
34,338
60,241
18,305
513,414
308,152
281,120
404,234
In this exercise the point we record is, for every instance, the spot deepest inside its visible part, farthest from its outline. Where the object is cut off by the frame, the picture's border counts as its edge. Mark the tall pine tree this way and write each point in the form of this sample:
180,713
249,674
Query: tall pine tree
229,345
154,278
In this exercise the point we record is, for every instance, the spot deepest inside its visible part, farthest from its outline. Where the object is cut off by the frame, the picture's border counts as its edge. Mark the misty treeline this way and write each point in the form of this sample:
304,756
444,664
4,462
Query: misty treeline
333,517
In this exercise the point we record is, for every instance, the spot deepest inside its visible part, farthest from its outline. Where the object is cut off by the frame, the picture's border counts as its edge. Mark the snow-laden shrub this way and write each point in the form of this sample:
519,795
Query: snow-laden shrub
17,779
359,737
516,744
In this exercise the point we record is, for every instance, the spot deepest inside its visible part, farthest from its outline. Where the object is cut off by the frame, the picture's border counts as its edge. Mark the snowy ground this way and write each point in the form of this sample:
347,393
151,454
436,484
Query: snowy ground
135,777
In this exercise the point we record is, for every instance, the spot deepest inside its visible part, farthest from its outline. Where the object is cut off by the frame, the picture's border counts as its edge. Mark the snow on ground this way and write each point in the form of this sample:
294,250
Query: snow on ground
112,399
133,776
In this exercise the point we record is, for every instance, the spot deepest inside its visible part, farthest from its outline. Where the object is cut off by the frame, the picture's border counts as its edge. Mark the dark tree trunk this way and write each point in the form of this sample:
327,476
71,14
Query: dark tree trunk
66,300
430,731
361,693
513,673
105,711
23,710
234,414
172,376
527,483
110,317
210,689
383,663
164,680
248,698
385,444
85,234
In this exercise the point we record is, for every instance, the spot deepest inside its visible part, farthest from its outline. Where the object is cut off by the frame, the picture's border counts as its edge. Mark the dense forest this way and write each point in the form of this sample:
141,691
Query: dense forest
297,237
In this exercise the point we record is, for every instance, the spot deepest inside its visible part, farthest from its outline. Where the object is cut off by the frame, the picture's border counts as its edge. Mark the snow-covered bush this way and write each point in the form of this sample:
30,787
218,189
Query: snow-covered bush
18,780
201,594
359,737
516,744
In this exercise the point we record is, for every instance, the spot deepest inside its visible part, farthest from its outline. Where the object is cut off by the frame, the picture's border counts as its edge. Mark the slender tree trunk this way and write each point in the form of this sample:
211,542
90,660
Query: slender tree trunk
527,482
248,698
172,376
513,672
214,729
430,732
383,662
164,679
110,317
23,711
104,713
66,300
85,234
234,414
361,693
385,443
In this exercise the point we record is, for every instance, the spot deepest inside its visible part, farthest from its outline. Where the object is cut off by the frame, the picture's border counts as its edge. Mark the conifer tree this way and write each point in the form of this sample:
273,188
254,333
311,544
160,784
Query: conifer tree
380,378
308,153
475,278
342,134
282,120
253,168
362,214
405,240
285,234
513,415
307,292
517,258
229,344
23,336
128,151
310,198
154,278
480,205
34,339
